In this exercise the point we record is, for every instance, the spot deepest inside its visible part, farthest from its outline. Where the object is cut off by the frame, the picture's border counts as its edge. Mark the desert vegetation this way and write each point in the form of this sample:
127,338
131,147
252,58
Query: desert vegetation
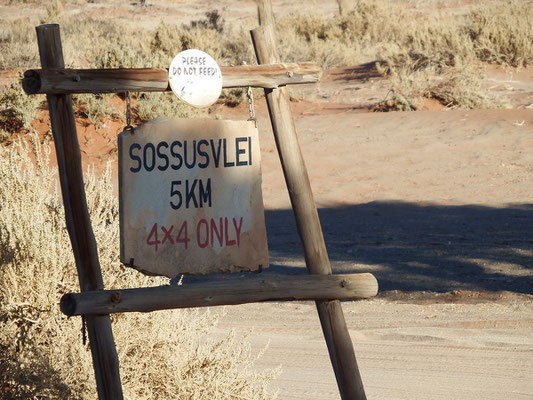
437,54
164,355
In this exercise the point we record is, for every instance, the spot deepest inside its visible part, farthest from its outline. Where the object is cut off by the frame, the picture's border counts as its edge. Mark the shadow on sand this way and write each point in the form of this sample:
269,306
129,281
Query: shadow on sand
413,247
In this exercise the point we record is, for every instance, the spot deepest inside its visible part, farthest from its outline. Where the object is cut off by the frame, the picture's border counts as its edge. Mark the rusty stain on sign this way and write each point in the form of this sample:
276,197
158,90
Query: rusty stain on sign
190,197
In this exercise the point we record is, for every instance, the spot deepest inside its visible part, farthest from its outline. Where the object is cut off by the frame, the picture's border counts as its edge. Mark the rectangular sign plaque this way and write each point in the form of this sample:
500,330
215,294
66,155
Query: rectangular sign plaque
190,197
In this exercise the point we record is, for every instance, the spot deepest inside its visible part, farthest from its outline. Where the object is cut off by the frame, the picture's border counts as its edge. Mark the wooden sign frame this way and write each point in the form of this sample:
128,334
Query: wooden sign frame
95,303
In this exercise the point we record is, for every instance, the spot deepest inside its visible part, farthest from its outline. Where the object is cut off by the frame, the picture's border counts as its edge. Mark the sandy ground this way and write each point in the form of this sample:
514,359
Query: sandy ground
436,204
404,350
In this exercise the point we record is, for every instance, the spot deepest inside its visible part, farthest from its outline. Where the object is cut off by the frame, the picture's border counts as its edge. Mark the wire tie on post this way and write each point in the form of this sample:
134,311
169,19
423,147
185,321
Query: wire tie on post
128,112
251,108
83,330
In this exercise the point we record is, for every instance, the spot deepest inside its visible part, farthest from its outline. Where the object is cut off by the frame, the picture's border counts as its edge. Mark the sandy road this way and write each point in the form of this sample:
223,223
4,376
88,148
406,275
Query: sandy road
430,202
404,351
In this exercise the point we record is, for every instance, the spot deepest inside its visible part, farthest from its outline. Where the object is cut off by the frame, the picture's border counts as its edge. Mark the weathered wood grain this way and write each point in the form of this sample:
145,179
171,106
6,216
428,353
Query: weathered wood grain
340,346
105,358
70,81
223,292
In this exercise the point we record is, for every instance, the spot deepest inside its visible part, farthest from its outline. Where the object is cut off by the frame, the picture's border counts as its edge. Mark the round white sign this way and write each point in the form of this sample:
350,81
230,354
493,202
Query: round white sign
195,78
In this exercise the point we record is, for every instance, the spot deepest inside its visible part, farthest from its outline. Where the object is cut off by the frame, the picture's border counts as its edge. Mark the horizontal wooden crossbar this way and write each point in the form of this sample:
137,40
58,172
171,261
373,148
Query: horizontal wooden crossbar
71,81
224,292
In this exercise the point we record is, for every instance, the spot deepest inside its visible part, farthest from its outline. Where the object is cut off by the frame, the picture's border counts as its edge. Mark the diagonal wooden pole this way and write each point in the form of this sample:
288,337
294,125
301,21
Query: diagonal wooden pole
105,358
336,333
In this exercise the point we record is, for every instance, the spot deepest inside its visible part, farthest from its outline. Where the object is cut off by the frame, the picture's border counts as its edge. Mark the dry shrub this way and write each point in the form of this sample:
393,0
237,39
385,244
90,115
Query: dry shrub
233,97
453,87
35,256
396,33
315,38
164,355
503,33
105,44
123,56
212,21
498,33
461,88
17,110
370,30
153,105
423,56
123,46
53,11
227,46
188,368
18,48
95,107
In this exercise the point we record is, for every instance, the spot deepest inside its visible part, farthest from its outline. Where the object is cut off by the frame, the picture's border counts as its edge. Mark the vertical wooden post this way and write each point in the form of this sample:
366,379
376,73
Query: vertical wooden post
264,13
336,333
105,358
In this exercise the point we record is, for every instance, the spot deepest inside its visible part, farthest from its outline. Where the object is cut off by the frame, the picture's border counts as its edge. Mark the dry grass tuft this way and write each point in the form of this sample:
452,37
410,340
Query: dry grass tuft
415,45
17,45
227,46
54,10
372,29
461,88
503,33
164,355
95,107
424,55
415,80
17,110
153,105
